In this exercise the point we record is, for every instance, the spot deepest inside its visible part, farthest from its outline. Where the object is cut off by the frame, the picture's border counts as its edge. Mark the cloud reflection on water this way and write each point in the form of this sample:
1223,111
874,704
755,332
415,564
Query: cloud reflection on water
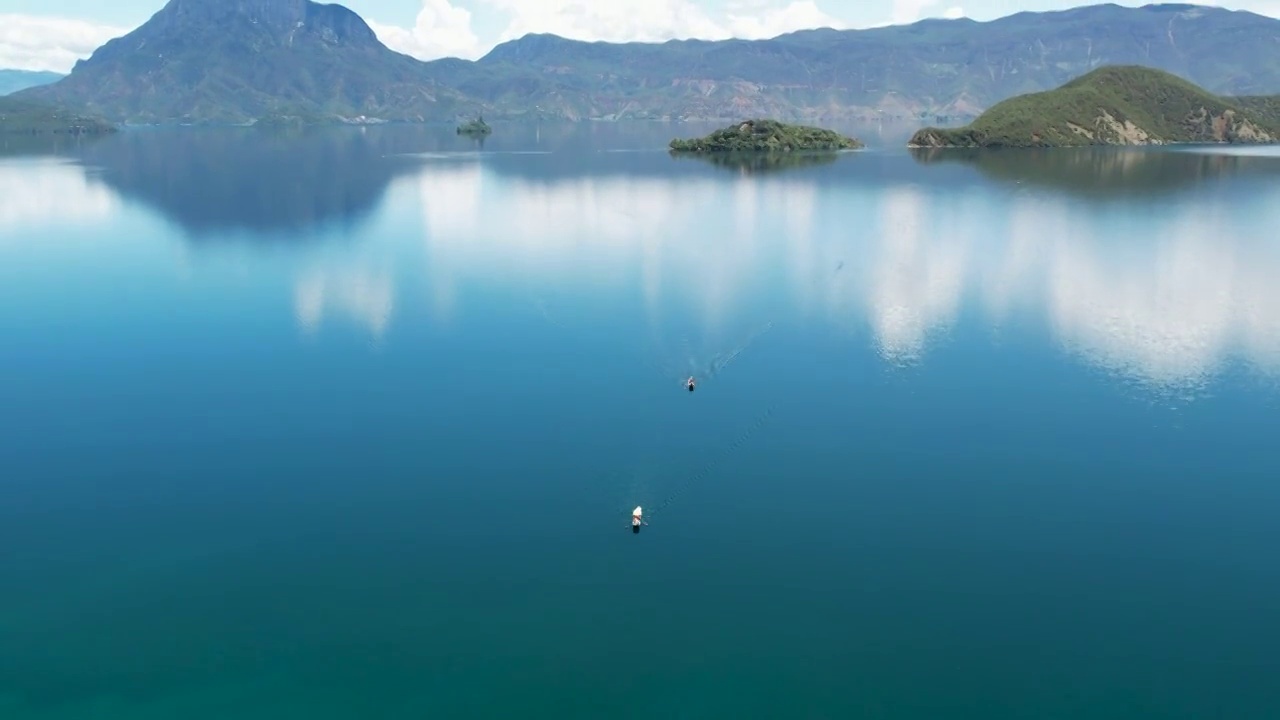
918,279
1164,299
47,192
364,295
592,232
1173,313
1161,289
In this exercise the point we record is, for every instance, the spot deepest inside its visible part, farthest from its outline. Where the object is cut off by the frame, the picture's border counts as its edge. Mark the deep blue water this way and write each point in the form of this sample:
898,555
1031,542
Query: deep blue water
349,423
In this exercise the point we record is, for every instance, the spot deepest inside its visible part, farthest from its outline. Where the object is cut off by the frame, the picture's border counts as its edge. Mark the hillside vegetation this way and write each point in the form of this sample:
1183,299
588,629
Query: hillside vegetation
1266,108
20,116
474,128
1118,105
766,136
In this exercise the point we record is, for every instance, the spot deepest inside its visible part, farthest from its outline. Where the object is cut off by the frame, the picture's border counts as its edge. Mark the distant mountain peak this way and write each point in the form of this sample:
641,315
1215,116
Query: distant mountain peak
333,23
255,24
238,60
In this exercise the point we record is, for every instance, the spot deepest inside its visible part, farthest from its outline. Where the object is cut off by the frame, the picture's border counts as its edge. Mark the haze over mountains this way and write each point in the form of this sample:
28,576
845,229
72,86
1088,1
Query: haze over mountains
238,60
14,80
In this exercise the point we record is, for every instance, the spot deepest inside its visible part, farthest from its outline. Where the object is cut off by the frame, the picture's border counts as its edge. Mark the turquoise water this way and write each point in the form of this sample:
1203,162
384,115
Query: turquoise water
344,424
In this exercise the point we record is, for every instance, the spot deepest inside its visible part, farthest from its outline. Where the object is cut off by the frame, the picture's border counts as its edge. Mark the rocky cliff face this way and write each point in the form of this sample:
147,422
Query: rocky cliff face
1201,126
1228,126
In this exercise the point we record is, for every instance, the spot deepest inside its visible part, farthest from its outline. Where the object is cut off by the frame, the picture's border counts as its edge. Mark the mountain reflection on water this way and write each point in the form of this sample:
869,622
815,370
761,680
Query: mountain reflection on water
1104,173
272,182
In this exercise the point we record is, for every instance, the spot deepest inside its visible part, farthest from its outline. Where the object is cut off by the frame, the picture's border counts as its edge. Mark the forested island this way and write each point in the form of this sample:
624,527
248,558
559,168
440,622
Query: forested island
1115,105
766,136
475,128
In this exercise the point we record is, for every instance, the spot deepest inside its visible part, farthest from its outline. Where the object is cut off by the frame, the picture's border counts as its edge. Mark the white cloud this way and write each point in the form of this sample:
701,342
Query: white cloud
1270,8
445,30
770,22
909,11
614,21
440,30
33,42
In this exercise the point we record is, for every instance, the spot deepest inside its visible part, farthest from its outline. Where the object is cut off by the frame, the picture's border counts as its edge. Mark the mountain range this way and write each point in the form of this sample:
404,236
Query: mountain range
239,60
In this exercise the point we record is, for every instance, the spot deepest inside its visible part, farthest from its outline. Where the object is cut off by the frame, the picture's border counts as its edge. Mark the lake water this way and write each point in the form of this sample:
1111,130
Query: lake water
349,424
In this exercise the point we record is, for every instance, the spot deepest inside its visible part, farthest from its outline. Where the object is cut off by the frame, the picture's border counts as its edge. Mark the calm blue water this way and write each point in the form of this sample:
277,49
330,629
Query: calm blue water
346,424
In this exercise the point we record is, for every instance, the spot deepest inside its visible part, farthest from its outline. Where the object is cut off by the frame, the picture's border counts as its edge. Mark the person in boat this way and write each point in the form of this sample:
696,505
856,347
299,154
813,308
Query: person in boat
689,383
636,520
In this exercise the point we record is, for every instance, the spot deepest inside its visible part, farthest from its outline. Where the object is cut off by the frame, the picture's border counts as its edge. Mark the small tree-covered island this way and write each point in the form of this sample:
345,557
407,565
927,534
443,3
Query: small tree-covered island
766,136
1115,105
475,128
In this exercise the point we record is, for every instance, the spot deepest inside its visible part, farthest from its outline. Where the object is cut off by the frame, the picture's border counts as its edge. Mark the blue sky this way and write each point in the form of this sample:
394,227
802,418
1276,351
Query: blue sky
52,34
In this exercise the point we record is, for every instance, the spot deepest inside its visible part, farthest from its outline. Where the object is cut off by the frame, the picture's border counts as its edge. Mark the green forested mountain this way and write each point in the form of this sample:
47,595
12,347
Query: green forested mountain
1117,105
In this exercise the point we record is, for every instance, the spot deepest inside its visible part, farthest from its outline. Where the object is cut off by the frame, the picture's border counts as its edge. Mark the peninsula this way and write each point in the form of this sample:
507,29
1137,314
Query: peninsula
766,136
1114,105
29,118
